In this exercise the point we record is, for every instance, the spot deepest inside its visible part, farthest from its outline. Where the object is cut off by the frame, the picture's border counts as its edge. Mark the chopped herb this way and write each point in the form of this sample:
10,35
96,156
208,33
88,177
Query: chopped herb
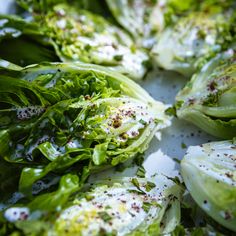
87,47
147,64
212,99
176,180
120,167
137,185
146,206
136,191
179,104
118,57
107,207
104,216
133,48
89,197
149,186
103,232
143,122
157,121
177,160
201,34
171,111
179,58
139,160
141,172
183,145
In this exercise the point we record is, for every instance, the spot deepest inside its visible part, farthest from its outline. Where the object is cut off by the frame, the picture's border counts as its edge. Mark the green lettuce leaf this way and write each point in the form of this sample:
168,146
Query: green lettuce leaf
68,33
73,117
143,19
99,42
209,99
193,40
22,43
110,207
209,174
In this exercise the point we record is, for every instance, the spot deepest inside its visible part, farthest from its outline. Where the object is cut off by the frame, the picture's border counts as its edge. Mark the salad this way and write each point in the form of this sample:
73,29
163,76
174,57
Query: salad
82,141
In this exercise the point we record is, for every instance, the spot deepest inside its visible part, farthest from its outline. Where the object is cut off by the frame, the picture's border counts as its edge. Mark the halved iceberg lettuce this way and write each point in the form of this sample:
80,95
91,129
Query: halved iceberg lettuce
57,117
70,34
209,99
124,206
194,39
142,18
209,172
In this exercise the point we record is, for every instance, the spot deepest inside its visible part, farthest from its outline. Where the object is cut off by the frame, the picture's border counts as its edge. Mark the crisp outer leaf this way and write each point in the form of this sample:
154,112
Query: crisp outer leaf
121,208
210,168
8,65
117,205
69,184
99,42
143,19
208,100
193,40
49,38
